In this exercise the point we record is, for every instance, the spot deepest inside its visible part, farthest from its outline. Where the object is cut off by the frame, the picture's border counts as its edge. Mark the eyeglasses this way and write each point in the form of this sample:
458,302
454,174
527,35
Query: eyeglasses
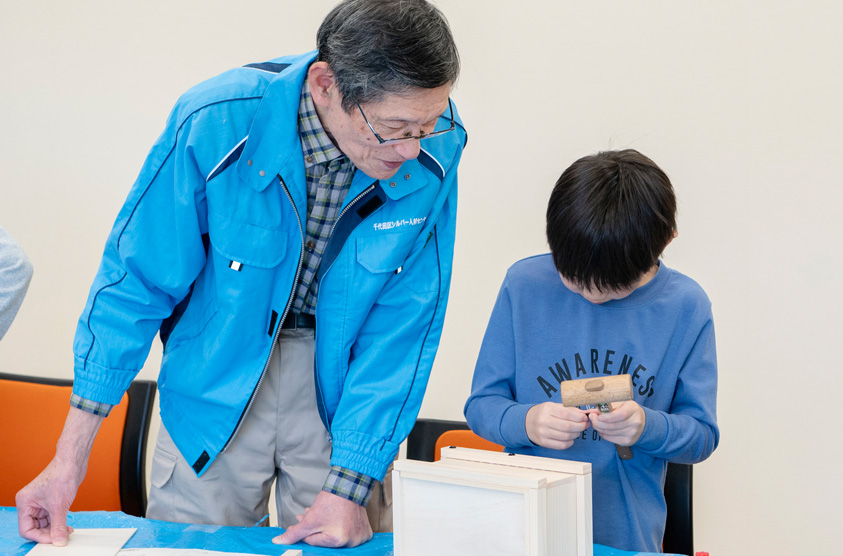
423,135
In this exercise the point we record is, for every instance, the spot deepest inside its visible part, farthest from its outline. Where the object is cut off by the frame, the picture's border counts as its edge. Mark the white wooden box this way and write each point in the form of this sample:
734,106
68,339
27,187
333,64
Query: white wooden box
481,502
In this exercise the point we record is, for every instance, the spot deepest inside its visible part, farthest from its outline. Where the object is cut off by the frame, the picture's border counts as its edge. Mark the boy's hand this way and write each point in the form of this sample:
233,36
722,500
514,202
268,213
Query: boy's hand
555,426
623,426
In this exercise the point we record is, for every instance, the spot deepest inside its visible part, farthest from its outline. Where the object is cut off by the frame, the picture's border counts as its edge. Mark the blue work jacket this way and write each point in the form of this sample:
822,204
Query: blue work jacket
208,247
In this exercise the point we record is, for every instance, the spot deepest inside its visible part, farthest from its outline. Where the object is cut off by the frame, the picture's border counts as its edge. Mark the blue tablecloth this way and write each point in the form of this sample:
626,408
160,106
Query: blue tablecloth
162,534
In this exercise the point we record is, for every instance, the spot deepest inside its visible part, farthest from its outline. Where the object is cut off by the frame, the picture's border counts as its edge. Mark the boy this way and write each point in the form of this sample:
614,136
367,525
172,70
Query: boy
601,303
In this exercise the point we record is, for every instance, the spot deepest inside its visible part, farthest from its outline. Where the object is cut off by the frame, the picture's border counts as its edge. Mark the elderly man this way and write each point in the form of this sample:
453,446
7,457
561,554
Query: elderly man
290,236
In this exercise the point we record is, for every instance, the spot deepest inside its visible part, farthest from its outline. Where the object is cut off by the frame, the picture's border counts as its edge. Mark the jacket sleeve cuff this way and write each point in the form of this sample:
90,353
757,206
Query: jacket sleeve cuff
95,382
363,453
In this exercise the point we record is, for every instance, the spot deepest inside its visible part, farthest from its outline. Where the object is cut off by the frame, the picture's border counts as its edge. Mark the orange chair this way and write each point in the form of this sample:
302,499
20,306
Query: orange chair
33,411
463,439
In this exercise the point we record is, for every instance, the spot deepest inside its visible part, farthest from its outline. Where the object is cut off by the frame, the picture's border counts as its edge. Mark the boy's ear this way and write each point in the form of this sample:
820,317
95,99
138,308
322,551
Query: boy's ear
674,236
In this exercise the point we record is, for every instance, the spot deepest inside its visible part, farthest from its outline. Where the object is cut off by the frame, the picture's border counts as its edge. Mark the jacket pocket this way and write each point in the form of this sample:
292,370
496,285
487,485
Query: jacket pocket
384,252
246,244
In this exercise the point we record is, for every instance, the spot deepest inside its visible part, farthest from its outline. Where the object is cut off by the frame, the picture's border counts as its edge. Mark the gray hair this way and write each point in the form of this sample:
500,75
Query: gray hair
376,47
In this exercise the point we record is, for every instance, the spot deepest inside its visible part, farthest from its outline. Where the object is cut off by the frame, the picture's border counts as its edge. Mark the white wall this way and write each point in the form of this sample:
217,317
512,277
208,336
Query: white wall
740,102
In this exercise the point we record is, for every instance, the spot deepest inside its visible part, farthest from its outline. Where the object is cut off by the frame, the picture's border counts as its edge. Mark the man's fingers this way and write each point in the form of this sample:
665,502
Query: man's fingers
34,532
323,539
331,541
59,531
34,524
293,534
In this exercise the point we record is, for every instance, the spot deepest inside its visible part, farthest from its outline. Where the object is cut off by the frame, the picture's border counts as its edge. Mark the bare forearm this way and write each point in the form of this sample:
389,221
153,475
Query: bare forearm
43,503
77,437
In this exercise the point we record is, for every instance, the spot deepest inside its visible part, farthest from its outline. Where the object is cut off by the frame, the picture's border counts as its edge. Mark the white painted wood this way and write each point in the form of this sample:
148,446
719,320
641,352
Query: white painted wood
88,542
460,505
562,526
585,525
581,470
516,460
455,520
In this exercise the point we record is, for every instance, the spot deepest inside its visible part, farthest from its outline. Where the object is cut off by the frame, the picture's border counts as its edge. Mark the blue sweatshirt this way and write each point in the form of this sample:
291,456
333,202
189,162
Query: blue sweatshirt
540,334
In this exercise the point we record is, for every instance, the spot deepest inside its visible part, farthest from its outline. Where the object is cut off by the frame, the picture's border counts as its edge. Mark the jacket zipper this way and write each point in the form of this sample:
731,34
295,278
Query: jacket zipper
349,205
278,326
321,400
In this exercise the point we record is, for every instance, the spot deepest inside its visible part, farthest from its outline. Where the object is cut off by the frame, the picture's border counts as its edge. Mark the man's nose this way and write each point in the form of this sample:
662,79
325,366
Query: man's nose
408,149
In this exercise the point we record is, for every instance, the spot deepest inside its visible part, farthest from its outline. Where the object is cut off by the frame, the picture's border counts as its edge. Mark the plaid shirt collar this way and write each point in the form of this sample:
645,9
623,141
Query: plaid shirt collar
317,147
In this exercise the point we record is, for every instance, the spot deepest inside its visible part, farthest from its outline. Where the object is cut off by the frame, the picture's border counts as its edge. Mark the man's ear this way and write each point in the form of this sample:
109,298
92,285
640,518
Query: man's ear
322,84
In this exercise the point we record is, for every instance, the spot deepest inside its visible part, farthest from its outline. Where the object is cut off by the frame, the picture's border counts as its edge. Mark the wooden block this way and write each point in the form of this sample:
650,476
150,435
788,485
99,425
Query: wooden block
292,552
480,502
594,391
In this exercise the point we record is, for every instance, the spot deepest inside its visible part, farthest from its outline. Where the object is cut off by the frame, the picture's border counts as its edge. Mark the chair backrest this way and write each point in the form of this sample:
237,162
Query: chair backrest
429,436
421,442
678,494
33,411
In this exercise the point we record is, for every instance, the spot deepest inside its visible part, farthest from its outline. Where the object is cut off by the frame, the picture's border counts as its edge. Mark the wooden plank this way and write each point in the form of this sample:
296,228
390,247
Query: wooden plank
517,460
472,474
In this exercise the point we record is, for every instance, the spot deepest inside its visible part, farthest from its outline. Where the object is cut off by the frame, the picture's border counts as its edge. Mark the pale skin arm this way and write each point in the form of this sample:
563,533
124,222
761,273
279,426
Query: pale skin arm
332,521
43,504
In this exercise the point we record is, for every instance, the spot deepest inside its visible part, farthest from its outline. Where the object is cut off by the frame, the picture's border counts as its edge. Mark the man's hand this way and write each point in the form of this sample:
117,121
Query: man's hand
43,504
332,521
555,426
623,426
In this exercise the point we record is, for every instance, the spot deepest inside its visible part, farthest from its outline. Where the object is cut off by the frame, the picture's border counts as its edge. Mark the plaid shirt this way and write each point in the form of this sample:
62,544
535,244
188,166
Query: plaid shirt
329,173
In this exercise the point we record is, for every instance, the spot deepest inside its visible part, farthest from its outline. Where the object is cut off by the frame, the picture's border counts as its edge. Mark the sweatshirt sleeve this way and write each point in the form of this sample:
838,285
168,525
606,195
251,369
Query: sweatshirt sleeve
15,275
491,409
688,432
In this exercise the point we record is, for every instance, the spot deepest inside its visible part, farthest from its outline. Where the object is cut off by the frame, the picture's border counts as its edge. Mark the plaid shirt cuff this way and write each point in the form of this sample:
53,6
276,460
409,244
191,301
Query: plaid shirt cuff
350,485
96,408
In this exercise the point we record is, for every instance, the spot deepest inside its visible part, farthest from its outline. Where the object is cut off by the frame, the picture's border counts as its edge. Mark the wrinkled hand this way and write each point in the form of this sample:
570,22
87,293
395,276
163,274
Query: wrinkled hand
555,426
43,504
623,426
332,521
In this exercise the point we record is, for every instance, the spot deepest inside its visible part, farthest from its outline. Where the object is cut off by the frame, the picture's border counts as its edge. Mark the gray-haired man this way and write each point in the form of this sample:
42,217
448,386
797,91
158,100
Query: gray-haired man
327,177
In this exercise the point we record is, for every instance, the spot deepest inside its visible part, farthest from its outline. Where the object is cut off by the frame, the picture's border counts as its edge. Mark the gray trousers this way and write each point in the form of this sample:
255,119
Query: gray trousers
281,439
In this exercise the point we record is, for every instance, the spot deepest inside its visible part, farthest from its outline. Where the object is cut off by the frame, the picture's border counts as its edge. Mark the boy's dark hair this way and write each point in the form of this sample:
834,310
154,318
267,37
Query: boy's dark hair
609,218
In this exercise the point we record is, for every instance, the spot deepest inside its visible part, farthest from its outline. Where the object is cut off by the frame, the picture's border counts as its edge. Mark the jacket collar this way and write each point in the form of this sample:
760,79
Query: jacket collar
274,148
273,142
